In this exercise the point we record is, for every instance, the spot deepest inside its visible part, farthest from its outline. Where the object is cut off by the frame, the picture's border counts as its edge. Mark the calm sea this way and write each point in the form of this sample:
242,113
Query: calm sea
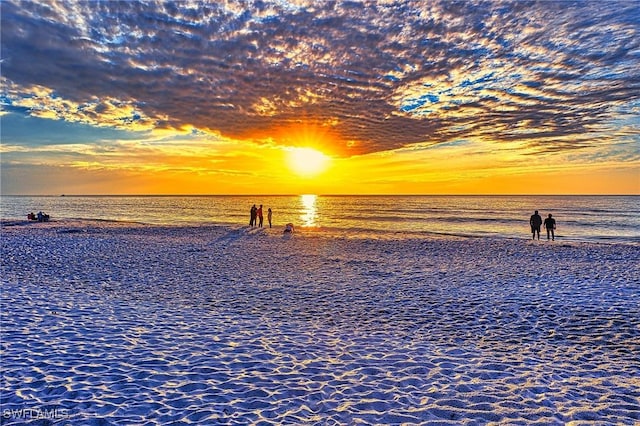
579,218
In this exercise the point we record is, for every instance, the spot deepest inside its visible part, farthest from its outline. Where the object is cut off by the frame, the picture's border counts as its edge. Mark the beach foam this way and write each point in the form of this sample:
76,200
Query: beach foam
111,323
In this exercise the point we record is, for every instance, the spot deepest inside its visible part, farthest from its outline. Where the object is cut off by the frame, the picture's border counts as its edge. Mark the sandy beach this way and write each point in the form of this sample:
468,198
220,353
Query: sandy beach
113,323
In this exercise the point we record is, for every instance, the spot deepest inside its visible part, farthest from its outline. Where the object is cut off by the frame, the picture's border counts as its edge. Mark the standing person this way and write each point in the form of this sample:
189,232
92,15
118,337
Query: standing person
252,222
260,215
535,222
550,226
269,214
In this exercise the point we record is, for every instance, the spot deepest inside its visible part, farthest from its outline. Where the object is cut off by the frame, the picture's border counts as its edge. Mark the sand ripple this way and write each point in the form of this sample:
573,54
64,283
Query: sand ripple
148,325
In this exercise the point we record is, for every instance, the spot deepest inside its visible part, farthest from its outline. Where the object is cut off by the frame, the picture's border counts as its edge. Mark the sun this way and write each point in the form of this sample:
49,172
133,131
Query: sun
307,162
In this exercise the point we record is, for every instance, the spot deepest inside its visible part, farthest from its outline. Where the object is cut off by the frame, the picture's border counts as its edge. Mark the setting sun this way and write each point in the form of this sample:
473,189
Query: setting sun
307,162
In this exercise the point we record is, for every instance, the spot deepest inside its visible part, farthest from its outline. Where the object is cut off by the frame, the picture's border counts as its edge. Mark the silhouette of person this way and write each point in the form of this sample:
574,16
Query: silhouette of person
269,214
254,212
288,228
550,226
535,222
260,218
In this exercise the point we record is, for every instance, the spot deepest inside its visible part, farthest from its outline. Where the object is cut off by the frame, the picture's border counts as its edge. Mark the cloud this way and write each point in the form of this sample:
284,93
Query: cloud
376,75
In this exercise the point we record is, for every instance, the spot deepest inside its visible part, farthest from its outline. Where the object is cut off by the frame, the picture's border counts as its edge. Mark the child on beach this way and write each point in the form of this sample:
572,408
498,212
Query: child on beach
269,213
288,228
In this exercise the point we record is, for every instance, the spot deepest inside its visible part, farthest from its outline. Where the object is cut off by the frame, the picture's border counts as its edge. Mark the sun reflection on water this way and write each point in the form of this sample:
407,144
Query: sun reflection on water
309,214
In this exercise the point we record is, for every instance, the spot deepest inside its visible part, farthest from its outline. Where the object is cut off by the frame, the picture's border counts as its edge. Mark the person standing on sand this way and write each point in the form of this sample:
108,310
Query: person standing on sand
550,226
535,222
260,218
269,214
252,222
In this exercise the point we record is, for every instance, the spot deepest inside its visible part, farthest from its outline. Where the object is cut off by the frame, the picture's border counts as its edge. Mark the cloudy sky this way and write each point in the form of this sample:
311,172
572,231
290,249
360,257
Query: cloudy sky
400,96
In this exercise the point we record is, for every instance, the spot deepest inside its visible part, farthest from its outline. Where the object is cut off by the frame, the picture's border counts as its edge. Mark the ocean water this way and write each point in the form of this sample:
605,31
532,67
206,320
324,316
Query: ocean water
579,218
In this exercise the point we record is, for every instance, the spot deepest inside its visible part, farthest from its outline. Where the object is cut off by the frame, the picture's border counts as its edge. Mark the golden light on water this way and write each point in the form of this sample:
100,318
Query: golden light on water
309,215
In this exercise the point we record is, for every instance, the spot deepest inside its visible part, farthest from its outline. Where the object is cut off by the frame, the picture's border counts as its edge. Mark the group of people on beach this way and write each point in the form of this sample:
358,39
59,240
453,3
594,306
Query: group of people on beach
40,217
257,218
536,223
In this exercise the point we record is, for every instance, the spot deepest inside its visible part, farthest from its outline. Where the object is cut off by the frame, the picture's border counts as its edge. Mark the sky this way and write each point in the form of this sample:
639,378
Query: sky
323,97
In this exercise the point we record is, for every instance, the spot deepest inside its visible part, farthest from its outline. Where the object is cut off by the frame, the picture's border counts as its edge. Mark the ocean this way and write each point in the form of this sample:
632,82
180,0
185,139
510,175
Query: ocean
579,218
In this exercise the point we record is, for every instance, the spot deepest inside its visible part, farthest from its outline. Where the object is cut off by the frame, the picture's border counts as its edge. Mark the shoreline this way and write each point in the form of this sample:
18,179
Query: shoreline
134,323
86,224
604,219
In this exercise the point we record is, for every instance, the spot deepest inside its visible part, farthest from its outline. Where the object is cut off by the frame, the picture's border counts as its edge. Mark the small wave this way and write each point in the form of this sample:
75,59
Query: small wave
580,218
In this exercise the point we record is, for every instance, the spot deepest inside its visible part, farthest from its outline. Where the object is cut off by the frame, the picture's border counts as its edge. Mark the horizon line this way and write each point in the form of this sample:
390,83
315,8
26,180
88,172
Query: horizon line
329,195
